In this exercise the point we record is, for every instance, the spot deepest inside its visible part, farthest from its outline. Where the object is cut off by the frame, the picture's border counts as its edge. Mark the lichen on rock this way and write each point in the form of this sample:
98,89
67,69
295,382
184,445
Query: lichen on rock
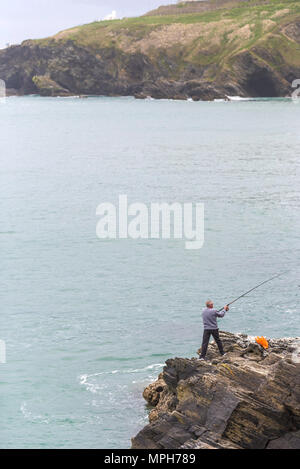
48,87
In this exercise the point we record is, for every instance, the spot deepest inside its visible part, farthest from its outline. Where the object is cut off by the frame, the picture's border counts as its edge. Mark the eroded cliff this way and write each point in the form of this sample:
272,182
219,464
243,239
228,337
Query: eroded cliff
203,50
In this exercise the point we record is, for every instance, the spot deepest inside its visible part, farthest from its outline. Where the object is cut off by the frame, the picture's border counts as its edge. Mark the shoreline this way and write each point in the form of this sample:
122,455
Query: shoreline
150,98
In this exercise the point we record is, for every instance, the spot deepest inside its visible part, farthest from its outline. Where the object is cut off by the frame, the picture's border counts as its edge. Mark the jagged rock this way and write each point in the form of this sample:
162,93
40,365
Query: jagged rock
248,399
48,87
288,441
153,391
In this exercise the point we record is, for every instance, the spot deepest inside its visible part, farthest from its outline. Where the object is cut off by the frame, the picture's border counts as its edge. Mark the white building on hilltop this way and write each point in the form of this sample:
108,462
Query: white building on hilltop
111,16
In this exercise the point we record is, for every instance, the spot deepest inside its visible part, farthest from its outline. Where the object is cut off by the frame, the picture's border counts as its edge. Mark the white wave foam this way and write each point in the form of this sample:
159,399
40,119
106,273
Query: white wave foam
91,387
238,98
28,415
149,367
88,381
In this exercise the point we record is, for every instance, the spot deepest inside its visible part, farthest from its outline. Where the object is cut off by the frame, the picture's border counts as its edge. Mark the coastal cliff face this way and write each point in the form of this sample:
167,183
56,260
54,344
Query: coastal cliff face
248,399
198,50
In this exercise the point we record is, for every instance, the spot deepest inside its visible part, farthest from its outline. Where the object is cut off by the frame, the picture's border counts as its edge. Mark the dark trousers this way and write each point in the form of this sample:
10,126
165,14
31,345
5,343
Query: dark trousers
206,336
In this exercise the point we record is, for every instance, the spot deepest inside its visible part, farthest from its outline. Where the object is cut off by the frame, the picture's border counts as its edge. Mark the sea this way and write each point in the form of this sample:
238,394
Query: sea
88,323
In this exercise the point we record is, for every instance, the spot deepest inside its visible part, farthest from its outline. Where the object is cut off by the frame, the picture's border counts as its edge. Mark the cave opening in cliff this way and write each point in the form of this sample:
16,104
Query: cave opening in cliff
261,84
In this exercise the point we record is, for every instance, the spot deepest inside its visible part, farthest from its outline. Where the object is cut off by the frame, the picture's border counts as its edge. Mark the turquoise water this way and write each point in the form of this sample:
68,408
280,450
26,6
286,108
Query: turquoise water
89,323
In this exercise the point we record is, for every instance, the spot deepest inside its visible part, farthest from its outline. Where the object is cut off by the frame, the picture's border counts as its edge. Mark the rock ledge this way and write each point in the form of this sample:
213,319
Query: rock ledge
248,399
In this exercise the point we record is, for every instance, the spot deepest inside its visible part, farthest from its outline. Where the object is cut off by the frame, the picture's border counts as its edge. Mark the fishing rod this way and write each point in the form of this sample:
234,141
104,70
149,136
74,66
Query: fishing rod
252,289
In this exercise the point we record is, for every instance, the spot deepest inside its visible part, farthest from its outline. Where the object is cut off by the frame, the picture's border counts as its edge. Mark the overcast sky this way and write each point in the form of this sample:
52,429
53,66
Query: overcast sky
30,19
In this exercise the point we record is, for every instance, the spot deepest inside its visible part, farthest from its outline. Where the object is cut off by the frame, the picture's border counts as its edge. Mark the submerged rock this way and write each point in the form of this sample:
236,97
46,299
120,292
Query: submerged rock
250,398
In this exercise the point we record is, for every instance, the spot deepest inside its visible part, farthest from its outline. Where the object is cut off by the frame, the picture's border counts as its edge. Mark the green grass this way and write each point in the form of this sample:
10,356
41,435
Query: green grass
239,13
204,50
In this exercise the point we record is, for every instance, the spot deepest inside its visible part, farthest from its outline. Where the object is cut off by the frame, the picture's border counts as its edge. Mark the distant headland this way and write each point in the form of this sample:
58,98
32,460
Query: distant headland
190,50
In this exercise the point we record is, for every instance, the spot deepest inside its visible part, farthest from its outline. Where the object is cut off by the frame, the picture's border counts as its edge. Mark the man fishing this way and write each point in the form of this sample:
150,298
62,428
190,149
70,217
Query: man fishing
210,316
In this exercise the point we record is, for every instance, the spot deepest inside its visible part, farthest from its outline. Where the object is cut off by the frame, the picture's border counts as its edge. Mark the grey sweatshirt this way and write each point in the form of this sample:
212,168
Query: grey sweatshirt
210,316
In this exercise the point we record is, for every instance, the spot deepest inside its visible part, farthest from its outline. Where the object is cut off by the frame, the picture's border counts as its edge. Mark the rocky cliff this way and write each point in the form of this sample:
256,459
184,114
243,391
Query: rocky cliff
248,399
198,50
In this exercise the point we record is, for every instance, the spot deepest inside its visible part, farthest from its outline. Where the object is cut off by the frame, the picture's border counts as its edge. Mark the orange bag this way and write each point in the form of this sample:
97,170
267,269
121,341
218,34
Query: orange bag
263,342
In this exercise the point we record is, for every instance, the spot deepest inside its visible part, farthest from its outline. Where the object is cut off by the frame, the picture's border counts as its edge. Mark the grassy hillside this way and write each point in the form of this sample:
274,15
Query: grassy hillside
248,47
194,7
200,38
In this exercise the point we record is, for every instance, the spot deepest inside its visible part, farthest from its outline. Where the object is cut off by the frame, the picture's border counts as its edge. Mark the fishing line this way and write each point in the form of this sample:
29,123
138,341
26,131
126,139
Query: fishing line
254,288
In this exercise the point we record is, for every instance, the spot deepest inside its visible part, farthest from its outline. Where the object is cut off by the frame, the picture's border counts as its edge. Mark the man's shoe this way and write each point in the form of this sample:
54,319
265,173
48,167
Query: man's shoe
202,359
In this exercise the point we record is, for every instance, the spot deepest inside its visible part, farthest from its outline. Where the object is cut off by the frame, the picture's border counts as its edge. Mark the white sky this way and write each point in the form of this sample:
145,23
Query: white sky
31,19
